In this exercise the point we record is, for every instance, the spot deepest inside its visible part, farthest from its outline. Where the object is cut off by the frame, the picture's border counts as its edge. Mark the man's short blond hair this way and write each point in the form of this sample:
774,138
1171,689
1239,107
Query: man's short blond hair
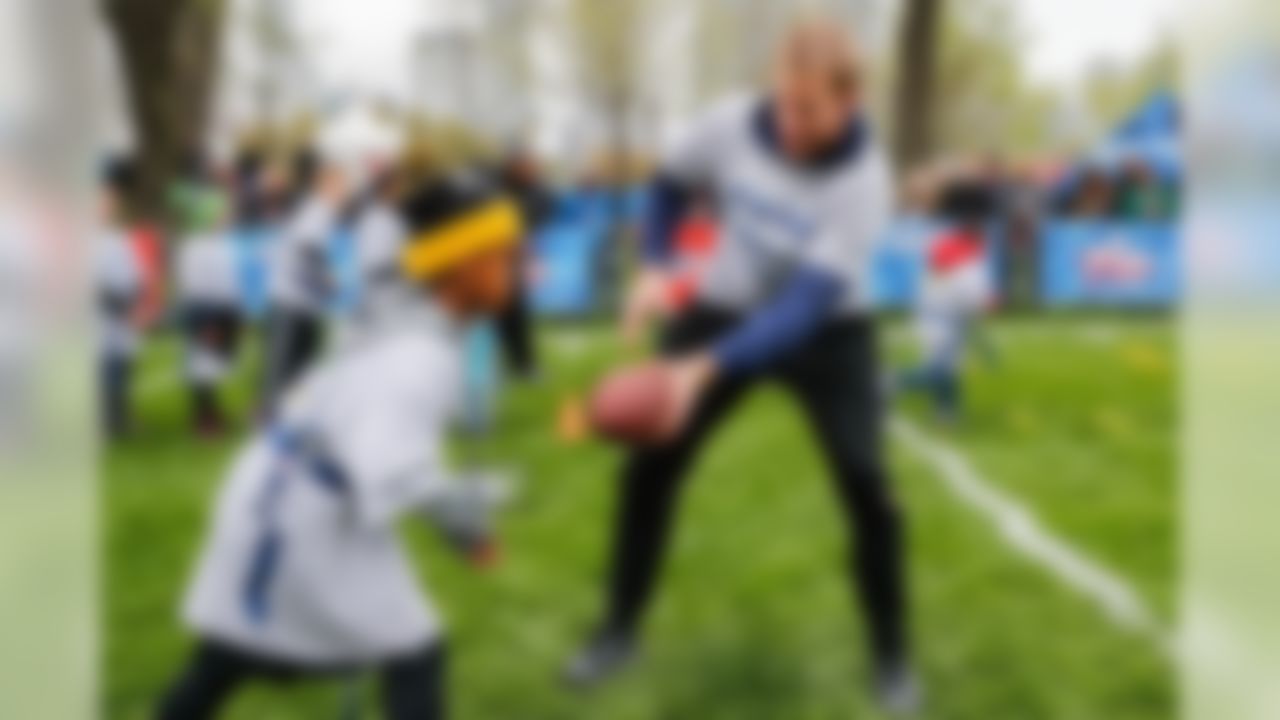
819,48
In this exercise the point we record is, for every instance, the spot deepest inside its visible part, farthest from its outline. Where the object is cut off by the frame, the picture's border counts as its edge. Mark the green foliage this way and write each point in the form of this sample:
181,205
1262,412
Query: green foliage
984,101
1112,92
606,37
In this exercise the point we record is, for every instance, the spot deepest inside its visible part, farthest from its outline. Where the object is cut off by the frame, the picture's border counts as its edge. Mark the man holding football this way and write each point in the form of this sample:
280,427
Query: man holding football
804,191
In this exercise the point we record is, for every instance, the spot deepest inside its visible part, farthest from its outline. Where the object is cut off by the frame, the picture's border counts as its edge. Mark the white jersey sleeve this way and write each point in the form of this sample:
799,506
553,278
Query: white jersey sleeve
698,151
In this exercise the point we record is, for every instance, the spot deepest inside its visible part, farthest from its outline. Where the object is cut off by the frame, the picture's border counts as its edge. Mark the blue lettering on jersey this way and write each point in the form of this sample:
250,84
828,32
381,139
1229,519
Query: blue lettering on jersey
748,204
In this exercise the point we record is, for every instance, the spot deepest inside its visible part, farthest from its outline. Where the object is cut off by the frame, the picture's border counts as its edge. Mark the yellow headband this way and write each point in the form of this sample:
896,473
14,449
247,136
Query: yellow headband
491,226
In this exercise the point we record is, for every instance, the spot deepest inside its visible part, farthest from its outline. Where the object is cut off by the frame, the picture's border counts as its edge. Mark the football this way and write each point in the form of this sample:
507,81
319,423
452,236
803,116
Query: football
632,405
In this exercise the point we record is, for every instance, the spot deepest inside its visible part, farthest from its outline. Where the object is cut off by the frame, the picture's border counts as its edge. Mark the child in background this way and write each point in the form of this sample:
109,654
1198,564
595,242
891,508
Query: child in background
955,293
302,279
695,242
119,286
209,295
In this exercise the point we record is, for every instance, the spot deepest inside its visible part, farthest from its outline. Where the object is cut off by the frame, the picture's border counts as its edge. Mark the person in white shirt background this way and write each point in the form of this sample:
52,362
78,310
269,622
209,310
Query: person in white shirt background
956,291
379,230
209,296
118,283
302,571
301,281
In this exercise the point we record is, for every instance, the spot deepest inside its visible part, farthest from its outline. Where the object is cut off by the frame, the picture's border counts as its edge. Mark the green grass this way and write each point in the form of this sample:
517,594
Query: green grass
755,619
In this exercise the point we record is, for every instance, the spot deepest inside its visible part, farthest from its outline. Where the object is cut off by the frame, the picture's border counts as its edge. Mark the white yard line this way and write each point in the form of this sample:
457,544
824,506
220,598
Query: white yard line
1025,533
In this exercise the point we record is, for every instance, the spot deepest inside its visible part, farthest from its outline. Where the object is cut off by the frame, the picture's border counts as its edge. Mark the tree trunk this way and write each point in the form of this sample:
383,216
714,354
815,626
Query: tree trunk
917,53
201,54
167,49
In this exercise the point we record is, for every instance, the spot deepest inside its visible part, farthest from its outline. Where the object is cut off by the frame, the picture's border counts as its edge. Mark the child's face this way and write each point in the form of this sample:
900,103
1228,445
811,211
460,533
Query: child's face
482,285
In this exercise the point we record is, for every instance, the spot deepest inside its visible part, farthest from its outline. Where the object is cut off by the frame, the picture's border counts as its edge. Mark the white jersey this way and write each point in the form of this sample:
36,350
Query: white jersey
776,217
299,270
960,292
303,561
208,279
207,270
379,235
118,283
950,300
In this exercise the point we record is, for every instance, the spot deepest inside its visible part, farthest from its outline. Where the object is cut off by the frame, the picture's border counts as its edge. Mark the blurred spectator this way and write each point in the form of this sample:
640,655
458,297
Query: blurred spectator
997,182
1093,198
379,231
118,282
1142,195
1026,206
521,177
304,170
209,300
957,289
302,281
260,189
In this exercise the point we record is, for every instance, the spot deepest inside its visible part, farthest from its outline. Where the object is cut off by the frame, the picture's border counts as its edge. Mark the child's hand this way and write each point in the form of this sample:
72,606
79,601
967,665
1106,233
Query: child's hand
486,555
462,516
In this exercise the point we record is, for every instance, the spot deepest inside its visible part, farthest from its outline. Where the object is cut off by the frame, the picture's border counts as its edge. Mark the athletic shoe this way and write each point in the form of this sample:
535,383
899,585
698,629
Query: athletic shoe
603,657
897,690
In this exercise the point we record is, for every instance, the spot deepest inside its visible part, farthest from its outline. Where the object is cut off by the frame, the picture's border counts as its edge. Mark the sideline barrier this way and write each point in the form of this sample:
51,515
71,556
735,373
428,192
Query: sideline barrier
568,255
1109,264
1080,264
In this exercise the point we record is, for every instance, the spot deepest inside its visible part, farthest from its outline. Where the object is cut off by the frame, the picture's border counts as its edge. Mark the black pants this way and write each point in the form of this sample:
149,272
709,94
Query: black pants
515,329
115,394
834,377
210,328
412,688
293,341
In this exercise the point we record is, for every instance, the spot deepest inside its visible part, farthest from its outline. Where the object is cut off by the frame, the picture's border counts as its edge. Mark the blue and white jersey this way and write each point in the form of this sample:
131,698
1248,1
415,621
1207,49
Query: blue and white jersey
778,217
118,281
301,278
302,561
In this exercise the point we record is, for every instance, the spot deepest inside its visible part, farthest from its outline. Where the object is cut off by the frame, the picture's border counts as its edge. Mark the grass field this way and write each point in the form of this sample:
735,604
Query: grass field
1076,424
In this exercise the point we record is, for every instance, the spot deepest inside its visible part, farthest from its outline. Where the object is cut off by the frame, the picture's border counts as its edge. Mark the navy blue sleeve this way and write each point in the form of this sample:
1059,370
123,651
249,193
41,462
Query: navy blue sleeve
668,200
790,318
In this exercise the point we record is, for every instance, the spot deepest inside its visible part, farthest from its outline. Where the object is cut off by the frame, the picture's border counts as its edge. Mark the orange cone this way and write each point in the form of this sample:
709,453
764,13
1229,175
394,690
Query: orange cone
571,421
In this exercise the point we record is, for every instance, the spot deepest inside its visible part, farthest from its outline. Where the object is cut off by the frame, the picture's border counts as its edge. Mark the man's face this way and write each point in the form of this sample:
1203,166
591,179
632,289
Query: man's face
809,114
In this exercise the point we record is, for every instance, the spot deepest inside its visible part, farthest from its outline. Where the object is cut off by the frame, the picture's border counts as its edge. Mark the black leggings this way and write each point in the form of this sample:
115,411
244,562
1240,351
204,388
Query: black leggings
413,687
293,340
515,329
834,377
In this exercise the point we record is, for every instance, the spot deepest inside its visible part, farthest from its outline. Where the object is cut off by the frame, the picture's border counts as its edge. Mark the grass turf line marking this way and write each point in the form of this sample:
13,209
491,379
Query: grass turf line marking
1022,530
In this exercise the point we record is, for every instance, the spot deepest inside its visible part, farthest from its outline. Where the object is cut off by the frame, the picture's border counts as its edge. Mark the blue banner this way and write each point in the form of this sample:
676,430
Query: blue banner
252,245
897,266
1109,264
567,254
